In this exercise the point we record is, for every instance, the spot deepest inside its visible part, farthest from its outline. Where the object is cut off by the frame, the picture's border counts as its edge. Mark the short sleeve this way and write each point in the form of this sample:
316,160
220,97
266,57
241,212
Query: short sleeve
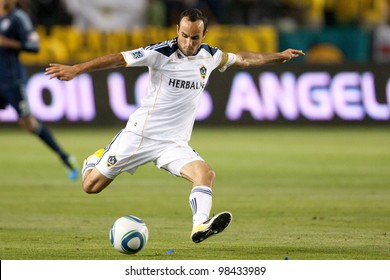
140,57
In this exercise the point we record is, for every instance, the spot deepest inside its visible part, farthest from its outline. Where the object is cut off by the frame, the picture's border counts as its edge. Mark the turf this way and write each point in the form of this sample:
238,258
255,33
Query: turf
300,192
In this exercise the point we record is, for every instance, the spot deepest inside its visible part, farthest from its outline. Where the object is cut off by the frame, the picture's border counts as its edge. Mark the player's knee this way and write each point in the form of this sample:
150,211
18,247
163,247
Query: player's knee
90,188
93,184
206,178
199,173
90,185
25,126
29,124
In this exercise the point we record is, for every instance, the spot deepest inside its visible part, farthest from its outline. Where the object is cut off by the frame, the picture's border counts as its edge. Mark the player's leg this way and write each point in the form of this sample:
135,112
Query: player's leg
31,124
17,98
202,177
183,161
93,180
199,173
123,154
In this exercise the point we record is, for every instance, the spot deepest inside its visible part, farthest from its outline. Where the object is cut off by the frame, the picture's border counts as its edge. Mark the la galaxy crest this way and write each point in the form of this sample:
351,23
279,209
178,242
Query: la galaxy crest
111,161
203,71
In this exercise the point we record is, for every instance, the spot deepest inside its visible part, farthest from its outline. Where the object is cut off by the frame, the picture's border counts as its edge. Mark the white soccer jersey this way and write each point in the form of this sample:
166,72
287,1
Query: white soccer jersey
176,83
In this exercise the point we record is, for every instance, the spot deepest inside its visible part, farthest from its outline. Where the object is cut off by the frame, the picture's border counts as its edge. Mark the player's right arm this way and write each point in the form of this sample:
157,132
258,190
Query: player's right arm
68,72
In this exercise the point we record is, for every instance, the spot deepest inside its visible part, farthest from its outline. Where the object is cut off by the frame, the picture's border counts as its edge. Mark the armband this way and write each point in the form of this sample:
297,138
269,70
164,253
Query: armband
230,61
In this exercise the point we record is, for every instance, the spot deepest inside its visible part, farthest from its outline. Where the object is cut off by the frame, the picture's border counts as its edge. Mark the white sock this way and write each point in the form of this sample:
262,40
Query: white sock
200,201
89,163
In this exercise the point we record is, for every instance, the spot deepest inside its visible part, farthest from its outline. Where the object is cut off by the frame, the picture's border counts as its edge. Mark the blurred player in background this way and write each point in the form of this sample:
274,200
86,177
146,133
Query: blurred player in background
160,129
16,35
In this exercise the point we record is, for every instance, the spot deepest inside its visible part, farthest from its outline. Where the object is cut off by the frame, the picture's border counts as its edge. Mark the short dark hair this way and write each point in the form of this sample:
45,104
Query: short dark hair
193,15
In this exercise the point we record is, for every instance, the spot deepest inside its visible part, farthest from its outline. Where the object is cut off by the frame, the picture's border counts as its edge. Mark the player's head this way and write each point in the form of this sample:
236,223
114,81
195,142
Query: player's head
191,29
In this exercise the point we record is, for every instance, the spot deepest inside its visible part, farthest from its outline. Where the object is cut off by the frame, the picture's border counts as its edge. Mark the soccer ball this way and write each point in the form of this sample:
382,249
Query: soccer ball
129,235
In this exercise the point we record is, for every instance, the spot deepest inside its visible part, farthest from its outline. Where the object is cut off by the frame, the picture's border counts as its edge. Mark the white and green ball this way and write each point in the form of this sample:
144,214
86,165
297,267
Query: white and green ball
129,235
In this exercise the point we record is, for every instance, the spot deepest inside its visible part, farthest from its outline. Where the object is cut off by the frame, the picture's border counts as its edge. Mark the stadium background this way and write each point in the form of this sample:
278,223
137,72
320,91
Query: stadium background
344,40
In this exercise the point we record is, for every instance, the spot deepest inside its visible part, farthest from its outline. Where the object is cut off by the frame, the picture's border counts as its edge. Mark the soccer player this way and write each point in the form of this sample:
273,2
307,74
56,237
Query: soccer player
16,35
160,129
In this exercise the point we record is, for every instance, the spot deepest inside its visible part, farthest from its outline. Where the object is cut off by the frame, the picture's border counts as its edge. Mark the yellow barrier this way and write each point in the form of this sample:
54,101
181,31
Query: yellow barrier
66,44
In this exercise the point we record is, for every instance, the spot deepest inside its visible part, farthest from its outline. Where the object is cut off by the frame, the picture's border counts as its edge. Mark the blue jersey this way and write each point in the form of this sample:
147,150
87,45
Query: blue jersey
16,25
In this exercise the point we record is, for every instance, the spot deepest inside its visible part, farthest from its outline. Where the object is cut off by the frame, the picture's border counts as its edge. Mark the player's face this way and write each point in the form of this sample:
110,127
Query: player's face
190,36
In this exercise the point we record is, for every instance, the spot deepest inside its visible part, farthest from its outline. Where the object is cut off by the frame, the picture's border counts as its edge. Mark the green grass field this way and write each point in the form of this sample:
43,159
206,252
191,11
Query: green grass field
302,192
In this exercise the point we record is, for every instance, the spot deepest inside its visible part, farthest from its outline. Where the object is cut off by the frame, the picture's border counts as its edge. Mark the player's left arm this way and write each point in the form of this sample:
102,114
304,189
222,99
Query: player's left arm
246,59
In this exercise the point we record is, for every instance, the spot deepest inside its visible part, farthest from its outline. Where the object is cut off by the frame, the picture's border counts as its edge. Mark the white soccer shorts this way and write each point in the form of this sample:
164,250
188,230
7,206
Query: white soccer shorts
127,151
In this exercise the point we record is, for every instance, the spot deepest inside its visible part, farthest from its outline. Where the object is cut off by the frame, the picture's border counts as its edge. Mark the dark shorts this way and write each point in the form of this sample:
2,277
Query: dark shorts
14,95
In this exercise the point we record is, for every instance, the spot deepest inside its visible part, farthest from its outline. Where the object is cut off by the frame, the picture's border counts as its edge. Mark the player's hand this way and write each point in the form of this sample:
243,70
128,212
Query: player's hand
61,72
290,54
